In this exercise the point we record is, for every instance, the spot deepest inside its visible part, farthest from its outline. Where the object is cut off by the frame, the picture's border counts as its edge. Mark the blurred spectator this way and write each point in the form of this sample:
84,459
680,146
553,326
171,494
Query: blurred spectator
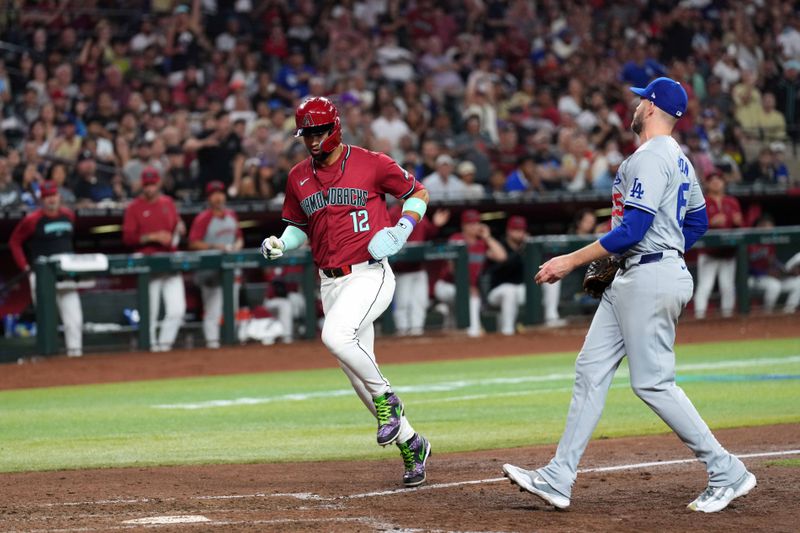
58,176
768,274
396,62
747,99
219,153
762,170
576,164
640,70
443,184
480,246
787,93
724,212
67,145
525,177
474,145
10,193
92,188
391,127
508,151
293,77
215,228
466,172
48,231
151,224
605,167
769,122
778,150
507,278
726,68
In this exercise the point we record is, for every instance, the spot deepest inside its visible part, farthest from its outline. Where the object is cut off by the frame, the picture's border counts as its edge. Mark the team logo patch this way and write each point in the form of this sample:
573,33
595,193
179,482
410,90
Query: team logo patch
307,121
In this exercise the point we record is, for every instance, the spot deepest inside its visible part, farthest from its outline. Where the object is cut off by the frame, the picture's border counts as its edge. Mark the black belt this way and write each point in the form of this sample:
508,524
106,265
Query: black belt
345,270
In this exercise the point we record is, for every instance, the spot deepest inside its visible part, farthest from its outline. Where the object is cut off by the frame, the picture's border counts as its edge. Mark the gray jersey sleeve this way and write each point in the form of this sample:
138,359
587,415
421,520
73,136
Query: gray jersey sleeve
648,175
696,201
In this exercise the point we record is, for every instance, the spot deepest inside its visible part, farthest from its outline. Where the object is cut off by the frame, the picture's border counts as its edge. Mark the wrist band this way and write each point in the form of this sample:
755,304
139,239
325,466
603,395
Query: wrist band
415,205
410,219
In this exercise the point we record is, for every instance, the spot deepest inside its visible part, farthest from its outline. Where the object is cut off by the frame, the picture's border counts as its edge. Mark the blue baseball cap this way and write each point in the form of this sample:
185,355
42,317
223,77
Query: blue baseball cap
667,94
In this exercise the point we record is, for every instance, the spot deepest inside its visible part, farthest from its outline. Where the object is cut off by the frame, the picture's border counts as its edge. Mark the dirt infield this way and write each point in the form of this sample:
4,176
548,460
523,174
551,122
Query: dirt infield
465,491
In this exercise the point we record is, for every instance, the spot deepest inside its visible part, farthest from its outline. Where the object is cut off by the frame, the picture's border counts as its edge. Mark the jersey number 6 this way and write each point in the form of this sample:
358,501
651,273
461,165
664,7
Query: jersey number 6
360,220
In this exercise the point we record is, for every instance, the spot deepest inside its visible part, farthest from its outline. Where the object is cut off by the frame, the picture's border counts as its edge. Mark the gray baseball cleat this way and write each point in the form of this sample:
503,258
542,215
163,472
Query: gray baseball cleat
715,499
532,482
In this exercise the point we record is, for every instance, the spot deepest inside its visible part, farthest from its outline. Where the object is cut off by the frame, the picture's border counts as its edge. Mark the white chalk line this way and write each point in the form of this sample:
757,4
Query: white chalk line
309,496
450,386
633,466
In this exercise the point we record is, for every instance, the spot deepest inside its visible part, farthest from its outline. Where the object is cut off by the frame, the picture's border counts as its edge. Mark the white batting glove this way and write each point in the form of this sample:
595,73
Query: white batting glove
272,247
389,241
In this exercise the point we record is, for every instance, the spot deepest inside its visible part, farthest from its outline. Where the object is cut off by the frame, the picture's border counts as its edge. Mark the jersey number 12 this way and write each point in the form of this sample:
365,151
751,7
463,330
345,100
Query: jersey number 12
360,220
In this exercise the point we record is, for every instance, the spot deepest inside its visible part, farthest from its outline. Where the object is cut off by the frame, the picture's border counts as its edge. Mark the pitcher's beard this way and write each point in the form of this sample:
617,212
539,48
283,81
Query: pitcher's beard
636,124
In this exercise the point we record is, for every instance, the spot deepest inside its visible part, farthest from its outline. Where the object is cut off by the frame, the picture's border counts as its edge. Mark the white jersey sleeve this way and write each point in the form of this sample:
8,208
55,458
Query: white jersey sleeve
648,174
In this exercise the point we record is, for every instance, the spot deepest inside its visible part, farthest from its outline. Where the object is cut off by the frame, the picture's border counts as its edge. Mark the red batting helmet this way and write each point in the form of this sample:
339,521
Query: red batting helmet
318,115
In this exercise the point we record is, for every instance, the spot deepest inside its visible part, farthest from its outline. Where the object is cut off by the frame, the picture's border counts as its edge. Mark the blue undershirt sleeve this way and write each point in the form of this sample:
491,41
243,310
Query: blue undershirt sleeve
635,223
695,225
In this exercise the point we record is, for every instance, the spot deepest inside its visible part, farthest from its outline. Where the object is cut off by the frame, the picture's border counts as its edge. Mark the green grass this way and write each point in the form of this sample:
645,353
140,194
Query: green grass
793,463
460,405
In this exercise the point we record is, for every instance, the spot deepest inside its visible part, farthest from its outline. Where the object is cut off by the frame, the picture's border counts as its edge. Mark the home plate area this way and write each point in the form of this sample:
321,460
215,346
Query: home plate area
627,484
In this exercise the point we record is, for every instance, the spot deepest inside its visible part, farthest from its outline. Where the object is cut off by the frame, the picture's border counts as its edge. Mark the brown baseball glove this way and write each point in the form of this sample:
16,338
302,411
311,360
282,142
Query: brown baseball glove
599,275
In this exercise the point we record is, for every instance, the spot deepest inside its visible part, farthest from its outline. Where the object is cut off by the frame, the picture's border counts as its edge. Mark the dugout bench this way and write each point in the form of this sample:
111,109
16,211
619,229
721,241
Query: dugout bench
48,270
538,249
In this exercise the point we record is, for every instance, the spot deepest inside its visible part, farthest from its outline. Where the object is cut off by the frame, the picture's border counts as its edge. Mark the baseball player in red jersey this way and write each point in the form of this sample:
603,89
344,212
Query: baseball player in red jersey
724,212
336,200
44,232
480,246
151,224
216,228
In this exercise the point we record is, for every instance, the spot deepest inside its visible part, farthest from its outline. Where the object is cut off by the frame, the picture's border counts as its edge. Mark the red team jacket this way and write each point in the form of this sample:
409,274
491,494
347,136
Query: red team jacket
728,207
40,235
142,217
341,206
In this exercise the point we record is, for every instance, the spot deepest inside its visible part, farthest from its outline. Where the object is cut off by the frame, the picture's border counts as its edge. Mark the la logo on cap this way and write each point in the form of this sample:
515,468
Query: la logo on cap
653,96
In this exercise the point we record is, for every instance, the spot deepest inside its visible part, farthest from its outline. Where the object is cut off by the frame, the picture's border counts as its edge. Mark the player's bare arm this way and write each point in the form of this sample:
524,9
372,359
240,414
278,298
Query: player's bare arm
558,267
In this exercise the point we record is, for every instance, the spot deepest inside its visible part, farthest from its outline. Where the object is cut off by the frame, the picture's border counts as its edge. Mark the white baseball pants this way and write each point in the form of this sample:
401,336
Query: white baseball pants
444,291
351,304
773,287
212,311
286,310
69,309
170,287
709,269
411,302
508,297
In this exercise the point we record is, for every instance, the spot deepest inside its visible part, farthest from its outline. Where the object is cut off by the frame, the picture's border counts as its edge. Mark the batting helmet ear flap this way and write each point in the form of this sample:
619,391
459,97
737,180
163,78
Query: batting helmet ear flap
334,139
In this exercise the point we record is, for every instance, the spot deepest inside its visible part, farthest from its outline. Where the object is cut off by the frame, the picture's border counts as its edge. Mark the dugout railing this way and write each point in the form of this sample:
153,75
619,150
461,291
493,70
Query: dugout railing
143,267
538,249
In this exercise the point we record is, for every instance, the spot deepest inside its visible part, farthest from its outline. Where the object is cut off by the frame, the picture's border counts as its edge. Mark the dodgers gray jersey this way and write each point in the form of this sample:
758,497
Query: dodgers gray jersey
659,179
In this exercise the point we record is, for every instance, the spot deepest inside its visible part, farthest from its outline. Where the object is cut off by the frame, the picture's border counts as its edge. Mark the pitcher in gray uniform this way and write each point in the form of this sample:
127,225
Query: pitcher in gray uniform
658,213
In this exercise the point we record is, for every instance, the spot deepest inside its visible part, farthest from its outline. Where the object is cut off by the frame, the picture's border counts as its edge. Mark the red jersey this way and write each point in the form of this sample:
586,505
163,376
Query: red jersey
143,217
477,258
39,234
729,206
341,206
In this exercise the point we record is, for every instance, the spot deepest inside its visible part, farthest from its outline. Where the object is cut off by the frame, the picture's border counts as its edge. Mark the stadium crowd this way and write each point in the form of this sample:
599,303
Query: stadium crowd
476,97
